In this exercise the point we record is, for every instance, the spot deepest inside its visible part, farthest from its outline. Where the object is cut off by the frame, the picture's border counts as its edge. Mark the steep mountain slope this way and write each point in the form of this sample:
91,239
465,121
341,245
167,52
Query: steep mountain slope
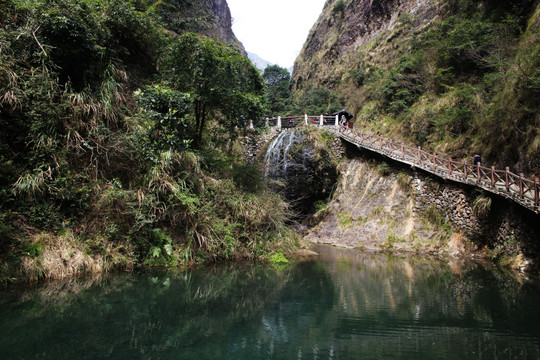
345,28
453,76
207,17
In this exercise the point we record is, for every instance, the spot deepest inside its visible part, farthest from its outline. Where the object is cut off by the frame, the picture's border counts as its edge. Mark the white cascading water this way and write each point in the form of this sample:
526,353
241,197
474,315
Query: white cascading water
297,172
278,157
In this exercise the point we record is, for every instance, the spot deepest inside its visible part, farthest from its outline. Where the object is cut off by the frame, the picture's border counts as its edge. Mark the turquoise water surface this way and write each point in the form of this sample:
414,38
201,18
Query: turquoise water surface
342,305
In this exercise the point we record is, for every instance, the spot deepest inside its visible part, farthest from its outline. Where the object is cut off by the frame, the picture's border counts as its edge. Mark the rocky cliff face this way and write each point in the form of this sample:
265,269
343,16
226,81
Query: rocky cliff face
223,25
434,73
384,206
207,17
348,31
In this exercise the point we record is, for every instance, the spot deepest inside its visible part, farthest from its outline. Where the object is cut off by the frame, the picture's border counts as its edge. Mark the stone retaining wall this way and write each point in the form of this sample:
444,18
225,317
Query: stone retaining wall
254,143
502,223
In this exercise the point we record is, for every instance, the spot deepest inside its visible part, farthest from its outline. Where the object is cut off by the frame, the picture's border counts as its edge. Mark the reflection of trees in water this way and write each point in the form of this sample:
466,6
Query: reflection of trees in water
144,316
201,306
374,305
53,293
301,319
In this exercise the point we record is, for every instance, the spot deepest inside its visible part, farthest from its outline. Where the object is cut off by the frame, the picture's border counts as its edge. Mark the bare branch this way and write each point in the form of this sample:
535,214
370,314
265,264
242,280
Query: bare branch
35,38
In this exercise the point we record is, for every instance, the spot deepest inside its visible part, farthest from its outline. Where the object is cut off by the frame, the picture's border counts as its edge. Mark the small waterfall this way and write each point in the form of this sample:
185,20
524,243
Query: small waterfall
287,152
302,175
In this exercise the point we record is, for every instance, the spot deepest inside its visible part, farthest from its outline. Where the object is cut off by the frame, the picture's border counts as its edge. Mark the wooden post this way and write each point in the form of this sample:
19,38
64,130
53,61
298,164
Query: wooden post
478,171
402,151
521,185
419,156
449,167
465,169
279,122
507,179
337,120
492,176
536,192
306,119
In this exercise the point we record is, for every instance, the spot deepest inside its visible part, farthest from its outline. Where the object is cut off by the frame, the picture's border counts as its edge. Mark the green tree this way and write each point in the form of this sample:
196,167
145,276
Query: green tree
318,101
219,79
278,91
167,109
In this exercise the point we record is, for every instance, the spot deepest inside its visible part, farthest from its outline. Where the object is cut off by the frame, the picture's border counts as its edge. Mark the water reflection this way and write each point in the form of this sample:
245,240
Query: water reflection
345,305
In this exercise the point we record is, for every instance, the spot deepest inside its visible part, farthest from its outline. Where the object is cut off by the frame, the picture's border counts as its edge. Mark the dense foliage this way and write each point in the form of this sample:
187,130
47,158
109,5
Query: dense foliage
278,93
317,101
113,145
218,78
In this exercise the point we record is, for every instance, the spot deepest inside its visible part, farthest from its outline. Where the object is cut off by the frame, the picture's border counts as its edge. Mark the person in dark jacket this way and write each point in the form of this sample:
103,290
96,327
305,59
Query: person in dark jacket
477,160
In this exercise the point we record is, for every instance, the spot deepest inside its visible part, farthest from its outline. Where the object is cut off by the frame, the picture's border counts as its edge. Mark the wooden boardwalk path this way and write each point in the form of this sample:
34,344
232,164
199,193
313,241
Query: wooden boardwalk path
515,187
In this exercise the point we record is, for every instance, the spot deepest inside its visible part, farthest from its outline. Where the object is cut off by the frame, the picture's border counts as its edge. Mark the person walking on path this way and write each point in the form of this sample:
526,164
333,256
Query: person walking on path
477,160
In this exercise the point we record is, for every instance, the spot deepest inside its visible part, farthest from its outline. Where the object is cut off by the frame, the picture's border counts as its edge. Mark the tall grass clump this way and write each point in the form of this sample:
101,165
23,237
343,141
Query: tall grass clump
481,205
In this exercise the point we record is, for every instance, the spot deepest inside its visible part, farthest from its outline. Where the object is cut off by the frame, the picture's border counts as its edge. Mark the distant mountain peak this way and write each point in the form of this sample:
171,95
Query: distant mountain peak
259,62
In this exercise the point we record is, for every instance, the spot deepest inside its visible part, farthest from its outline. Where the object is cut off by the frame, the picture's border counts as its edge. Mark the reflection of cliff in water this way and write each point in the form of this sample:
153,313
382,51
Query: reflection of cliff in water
401,307
345,305
432,289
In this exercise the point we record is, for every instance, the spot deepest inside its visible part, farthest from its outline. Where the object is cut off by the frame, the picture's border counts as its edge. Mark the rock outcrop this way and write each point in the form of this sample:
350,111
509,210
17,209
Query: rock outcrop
380,205
223,25
351,28
206,17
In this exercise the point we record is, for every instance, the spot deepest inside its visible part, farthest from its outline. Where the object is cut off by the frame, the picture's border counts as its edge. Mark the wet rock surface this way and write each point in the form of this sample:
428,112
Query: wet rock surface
299,170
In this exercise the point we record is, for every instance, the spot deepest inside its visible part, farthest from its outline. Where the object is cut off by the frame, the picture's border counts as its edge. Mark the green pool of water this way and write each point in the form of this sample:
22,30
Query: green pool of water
343,305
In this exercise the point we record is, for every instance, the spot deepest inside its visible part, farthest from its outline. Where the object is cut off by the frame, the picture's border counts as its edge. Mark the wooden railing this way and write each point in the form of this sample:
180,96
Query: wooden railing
524,191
